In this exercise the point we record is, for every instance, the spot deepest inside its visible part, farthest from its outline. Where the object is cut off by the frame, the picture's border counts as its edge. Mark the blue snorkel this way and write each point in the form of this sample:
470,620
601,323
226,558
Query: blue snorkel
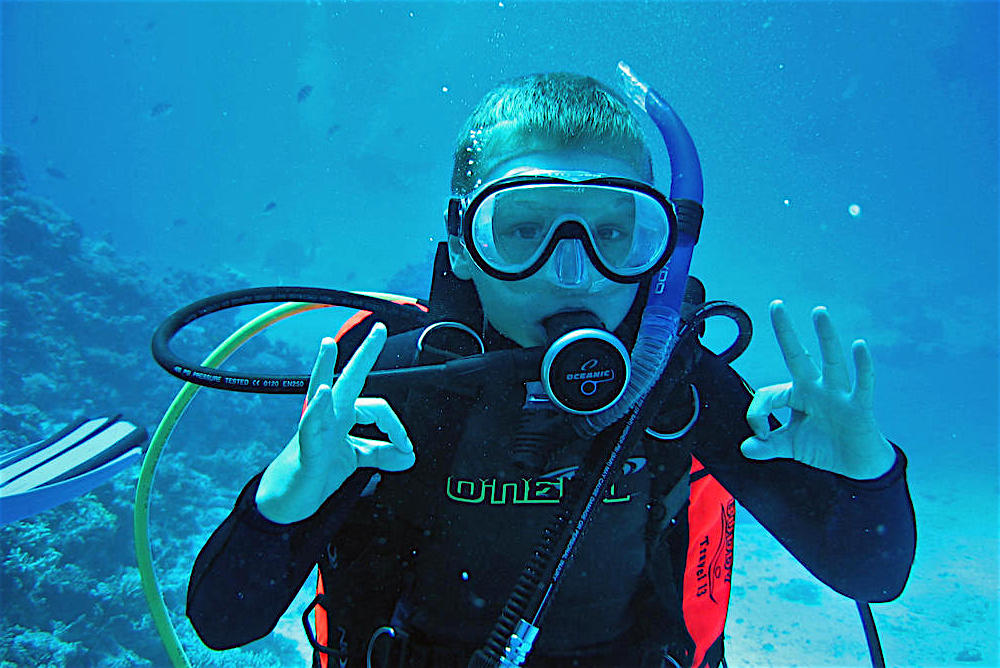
661,317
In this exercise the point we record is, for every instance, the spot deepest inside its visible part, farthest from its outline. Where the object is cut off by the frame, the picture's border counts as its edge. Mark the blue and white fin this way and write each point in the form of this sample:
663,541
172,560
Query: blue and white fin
64,466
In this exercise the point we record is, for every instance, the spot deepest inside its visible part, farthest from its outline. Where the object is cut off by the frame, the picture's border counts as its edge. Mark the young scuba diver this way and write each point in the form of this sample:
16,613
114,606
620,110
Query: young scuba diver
556,236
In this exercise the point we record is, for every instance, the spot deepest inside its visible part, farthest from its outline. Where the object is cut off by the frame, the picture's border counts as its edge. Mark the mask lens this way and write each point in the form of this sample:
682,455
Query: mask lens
636,249
514,227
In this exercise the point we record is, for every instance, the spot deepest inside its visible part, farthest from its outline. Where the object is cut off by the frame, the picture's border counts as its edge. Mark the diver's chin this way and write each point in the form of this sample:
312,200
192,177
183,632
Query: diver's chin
526,335
530,335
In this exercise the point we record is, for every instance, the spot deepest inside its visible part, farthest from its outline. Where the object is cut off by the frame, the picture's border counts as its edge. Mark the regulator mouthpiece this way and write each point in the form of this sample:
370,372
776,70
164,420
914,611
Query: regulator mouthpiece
586,368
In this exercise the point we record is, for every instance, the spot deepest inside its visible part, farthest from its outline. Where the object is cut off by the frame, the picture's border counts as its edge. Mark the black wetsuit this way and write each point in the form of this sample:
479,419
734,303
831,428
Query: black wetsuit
858,537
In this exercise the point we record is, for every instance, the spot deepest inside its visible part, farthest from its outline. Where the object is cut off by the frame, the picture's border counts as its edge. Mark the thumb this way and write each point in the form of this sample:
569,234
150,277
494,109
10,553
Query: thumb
765,401
384,456
756,448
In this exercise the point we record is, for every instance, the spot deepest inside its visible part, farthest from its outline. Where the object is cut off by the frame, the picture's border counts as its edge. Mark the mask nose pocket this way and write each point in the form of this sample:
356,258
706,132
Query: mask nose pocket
569,263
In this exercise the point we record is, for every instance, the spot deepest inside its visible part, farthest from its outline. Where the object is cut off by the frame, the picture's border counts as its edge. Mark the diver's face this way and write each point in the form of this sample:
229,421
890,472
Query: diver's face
567,282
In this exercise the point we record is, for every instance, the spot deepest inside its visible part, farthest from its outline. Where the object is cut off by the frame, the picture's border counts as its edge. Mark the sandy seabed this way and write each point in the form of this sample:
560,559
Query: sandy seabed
780,615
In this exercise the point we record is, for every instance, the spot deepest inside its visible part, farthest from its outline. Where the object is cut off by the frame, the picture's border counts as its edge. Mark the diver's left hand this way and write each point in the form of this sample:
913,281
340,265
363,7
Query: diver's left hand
832,425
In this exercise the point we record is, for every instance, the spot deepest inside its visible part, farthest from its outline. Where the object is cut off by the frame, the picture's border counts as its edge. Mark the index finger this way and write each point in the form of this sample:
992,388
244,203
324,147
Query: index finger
796,358
352,379
322,370
834,365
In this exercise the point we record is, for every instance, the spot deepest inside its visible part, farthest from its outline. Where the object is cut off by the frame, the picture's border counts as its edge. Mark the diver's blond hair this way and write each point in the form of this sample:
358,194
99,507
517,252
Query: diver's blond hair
539,112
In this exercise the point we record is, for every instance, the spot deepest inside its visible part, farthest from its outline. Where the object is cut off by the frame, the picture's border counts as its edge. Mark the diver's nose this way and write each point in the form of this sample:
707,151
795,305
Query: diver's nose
569,266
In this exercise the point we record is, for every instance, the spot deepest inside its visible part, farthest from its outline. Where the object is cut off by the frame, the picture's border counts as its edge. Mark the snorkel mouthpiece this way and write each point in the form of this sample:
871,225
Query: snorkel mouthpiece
661,317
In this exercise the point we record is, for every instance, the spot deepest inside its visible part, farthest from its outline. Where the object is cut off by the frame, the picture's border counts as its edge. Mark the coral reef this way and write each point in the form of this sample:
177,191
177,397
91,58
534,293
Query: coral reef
75,326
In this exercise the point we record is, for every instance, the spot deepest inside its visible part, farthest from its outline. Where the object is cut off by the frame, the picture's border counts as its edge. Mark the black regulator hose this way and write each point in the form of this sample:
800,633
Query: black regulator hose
397,317
871,634
401,317
711,309
466,371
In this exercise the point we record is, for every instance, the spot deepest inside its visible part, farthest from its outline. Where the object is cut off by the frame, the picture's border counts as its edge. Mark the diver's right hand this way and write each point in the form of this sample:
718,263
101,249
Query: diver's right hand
322,454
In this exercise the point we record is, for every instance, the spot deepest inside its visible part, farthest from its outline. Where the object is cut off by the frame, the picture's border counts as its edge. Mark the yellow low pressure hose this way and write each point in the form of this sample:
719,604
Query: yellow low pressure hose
140,515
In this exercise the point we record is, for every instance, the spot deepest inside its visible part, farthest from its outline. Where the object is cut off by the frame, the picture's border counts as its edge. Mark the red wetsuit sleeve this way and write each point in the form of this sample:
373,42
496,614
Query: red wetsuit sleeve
250,569
856,536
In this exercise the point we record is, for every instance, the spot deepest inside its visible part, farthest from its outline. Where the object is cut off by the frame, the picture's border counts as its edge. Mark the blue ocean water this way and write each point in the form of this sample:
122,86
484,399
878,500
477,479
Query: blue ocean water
850,159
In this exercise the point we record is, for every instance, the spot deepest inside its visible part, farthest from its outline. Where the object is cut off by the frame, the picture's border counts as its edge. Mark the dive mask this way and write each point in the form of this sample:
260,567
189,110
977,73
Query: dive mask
511,226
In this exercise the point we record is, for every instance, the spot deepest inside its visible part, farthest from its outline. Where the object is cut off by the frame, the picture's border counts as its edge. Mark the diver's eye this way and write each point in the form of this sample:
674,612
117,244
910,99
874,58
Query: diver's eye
526,231
610,233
